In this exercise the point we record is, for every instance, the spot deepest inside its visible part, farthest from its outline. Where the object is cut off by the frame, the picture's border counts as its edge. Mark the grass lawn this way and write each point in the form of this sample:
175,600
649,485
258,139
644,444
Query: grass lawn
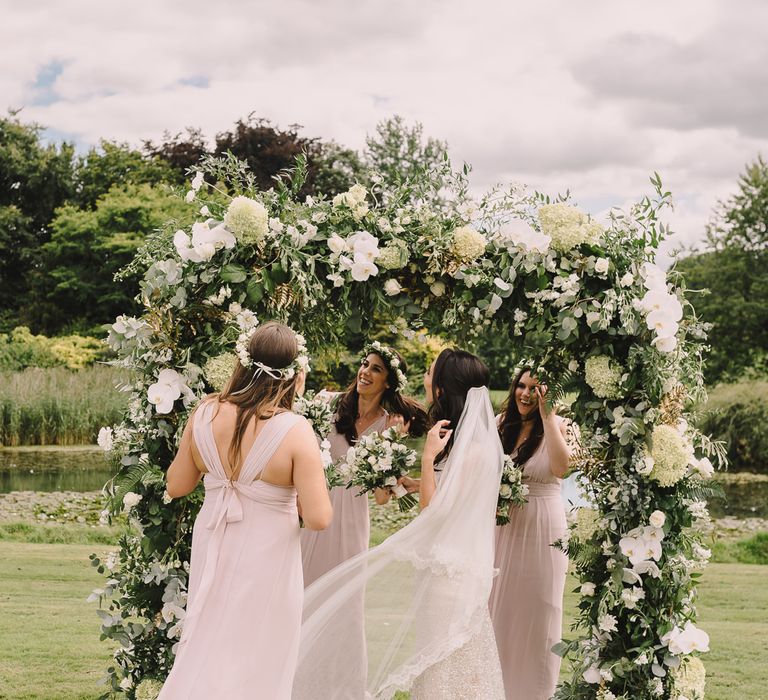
49,635
50,648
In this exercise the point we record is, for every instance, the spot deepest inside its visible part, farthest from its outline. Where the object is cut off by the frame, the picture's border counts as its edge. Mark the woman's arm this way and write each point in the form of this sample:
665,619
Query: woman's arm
309,478
437,438
183,475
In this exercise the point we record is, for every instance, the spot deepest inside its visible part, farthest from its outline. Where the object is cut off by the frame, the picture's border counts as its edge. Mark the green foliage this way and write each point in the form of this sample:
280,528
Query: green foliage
735,271
114,164
399,152
34,180
735,303
737,414
20,349
75,288
58,406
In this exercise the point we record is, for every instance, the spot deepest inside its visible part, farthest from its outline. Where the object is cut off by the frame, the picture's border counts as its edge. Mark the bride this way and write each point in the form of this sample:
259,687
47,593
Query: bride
424,591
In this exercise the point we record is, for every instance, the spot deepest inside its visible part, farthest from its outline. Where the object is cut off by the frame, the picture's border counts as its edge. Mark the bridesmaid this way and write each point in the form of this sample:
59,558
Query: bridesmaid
243,617
373,402
527,597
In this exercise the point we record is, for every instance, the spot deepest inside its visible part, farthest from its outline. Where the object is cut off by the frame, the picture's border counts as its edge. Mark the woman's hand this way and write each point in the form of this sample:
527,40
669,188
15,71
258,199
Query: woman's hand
541,392
397,421
409,484
437,439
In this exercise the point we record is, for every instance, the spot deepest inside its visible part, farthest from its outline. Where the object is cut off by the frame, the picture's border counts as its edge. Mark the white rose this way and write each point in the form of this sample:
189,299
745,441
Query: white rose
505,490
601,266
657,518
131,500
392,287
592,675
587,589
337,244
627,279
437,288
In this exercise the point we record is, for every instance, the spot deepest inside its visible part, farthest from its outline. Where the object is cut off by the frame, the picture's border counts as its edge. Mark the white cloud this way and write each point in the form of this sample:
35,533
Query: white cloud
592,97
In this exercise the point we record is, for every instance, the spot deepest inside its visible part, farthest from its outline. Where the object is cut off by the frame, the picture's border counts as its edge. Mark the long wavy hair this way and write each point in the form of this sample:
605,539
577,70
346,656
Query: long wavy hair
393,401
512,422
455,373
260,397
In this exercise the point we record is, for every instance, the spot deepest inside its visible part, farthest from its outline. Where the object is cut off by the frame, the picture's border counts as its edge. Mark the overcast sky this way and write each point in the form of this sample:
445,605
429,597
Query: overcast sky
592,96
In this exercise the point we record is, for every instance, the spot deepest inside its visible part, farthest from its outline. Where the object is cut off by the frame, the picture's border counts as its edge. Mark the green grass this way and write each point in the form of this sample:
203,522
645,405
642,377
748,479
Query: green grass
49,635
49,644
58,534
58,406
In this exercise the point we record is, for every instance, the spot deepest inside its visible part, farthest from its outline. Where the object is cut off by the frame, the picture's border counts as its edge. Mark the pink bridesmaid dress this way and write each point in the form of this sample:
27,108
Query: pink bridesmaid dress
527,597
349,532
241,630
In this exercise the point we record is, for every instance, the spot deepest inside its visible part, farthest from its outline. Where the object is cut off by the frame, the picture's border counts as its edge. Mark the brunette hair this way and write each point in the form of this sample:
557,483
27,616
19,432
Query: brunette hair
392,400
511,422
261,396
455,373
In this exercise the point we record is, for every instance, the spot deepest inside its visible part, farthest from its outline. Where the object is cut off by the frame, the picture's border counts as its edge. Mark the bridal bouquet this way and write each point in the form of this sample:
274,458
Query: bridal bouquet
318,411
512,491
377,461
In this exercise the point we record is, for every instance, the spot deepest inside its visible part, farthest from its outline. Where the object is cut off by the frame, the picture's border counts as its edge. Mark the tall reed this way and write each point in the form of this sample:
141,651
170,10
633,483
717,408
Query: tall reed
58,406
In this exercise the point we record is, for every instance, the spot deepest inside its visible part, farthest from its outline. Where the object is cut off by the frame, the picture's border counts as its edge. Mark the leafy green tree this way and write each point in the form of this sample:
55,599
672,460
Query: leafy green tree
74,289
114,164
399,151
734,270
35,178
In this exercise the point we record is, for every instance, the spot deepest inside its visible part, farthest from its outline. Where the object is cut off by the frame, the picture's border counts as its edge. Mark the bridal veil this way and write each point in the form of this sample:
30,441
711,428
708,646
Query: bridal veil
420,595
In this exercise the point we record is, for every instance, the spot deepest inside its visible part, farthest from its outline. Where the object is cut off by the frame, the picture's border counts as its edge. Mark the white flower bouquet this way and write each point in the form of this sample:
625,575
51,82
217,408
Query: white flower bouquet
378,461
319,412
512,491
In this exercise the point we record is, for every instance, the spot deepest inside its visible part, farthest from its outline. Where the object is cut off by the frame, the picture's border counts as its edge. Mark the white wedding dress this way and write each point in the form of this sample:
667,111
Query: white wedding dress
423,592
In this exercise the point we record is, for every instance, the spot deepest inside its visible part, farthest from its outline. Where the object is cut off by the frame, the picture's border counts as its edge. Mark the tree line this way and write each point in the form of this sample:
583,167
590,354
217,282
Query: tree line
70,221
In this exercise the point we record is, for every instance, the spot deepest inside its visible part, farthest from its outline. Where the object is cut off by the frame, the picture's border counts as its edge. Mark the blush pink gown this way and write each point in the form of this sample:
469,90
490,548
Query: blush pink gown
349,532
527,597
241,631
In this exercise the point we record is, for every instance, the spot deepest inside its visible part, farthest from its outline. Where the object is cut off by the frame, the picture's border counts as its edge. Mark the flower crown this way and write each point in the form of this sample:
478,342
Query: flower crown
390,359
301,363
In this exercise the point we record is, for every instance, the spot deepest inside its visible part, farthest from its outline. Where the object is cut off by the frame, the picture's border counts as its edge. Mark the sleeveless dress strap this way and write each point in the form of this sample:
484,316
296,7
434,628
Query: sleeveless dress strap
203,434
266,444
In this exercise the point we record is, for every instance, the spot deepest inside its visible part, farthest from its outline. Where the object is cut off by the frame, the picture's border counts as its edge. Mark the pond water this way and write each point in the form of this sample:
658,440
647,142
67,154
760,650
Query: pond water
53,469
84,469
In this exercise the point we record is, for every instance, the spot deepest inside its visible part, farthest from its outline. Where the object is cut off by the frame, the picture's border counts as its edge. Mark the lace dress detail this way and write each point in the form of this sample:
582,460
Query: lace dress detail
470,673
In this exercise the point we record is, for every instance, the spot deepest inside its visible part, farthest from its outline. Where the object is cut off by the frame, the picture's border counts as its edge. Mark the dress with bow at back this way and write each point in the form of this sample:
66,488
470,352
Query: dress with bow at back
241,631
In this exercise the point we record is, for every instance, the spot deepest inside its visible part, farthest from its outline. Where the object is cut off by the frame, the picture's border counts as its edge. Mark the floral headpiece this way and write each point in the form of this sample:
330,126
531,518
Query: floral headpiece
390,359
300,363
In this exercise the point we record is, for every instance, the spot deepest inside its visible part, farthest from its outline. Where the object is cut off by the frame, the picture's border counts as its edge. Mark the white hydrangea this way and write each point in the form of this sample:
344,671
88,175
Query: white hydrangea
603,375
468,244
247,219
567,227
670,454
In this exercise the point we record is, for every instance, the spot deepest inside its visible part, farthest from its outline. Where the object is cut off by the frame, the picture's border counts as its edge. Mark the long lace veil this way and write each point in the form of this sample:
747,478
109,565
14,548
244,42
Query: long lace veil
375,623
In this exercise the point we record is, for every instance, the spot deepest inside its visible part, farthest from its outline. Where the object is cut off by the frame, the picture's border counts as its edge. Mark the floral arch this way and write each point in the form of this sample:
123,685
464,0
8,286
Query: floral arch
585,301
